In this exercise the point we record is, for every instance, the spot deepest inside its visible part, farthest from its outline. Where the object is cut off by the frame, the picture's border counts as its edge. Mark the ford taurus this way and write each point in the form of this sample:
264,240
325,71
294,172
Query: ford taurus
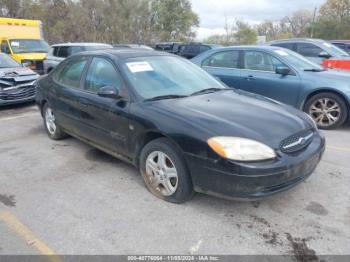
184,130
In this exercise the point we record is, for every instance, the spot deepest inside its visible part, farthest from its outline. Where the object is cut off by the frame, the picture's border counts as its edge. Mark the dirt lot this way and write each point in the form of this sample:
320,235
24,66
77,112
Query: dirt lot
68,198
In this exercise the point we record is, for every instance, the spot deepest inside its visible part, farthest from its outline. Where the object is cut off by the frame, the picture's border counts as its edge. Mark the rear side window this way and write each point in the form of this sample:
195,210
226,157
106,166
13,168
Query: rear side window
193,49
229,59
63,52
289,46
55,50
309,50
72,71
101,73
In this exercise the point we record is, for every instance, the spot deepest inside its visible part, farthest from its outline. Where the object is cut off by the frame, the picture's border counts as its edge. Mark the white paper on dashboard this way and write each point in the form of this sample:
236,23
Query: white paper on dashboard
136,67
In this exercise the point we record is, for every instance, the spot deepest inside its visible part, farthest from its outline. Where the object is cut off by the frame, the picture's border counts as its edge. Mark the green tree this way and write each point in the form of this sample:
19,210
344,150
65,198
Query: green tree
113,21
173,19
298,24
334,20
245,34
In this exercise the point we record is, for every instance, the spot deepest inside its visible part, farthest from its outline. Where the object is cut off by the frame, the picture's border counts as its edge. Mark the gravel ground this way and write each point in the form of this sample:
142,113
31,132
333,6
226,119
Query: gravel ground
69,198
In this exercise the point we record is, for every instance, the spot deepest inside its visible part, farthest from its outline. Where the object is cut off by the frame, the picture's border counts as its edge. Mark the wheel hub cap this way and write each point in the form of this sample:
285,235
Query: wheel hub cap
50,121
325,111
161,173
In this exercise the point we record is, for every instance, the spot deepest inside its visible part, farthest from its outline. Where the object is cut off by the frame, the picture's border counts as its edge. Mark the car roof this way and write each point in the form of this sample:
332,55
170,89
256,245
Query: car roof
250,47
198,43
314,40
126,53
340,41
80,44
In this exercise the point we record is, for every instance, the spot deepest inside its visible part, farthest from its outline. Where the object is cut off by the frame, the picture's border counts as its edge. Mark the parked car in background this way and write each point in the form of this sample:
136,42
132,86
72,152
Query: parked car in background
342,44
191,50
59,52
17,83
22,39
132,46
285,76
170,47
184,130
316,50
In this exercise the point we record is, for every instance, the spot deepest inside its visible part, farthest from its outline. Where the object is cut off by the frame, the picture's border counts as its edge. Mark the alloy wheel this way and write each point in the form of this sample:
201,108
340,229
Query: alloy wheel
50,121
161,173
325,112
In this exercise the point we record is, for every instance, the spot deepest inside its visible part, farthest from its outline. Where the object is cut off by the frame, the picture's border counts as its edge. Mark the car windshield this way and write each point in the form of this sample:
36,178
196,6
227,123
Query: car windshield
298,61
29,46
333,50
158,76
7,62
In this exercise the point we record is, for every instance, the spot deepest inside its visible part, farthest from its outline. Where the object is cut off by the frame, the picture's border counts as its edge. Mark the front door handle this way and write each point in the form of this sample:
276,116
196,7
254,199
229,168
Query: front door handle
250,77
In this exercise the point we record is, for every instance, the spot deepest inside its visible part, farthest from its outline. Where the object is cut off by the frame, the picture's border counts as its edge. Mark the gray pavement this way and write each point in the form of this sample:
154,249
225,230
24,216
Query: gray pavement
70,198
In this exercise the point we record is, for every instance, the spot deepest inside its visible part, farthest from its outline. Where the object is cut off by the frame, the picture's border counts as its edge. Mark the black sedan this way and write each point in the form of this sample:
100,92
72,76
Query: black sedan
178,125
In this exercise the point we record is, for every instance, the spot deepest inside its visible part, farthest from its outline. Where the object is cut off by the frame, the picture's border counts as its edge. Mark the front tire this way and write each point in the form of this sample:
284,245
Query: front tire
53,130
164,171
328,110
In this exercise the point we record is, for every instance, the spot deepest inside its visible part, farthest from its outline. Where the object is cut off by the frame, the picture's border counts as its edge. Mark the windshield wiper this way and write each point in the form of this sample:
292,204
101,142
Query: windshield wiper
207,91
165,97
314,70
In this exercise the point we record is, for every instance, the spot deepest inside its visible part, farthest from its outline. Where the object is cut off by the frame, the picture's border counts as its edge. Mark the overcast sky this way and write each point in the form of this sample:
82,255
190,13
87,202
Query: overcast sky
212,12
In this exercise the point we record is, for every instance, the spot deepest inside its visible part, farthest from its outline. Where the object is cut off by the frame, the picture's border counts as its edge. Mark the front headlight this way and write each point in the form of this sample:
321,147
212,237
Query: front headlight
241,149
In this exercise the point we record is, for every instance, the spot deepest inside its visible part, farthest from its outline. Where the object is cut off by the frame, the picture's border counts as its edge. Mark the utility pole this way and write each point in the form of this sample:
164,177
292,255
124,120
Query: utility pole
313,23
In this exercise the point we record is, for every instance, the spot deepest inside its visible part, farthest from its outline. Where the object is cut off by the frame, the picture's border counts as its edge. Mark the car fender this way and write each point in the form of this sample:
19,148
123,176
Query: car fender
310,93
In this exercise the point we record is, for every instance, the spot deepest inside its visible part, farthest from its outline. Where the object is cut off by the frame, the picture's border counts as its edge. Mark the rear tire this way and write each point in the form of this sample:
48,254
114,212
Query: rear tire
53,130
165,172
328,110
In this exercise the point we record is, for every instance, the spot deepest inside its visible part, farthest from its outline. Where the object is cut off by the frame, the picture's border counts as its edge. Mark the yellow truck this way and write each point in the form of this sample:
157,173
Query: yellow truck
22,39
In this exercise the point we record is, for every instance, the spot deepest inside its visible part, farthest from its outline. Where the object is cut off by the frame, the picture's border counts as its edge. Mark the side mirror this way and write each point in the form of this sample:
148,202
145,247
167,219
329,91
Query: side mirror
108,91
282,70
324,54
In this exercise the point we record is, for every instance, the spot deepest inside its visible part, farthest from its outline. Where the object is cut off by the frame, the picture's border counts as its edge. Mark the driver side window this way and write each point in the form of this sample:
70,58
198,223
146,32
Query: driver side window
101,73
5,47
261,61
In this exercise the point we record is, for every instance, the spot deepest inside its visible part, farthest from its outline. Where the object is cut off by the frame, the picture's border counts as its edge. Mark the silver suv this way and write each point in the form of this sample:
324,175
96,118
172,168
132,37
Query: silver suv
316,50
59,52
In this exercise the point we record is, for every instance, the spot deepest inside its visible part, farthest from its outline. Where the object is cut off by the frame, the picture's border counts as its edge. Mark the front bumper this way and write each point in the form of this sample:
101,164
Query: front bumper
17,101
17,96
232,179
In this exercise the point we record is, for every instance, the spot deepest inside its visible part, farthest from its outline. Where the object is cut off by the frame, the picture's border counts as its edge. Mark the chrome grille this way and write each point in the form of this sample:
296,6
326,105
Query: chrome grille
17,85
297,141
20,93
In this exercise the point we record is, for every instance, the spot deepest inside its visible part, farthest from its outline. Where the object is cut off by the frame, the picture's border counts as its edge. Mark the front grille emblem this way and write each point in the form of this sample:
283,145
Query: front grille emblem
300,142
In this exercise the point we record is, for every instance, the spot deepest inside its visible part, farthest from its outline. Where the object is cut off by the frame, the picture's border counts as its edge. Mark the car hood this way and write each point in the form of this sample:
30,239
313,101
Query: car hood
237,113
31,56
12,78
16,72
332,74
